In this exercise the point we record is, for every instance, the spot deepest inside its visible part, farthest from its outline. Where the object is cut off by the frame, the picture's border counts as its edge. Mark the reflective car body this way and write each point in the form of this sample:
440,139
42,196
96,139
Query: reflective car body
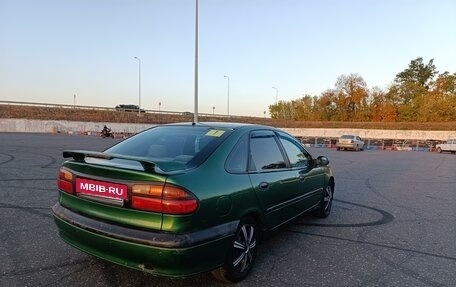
181,199
352,142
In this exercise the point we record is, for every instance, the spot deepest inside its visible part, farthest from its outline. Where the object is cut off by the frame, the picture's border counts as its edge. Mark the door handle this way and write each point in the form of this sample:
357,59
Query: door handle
264,185
302,175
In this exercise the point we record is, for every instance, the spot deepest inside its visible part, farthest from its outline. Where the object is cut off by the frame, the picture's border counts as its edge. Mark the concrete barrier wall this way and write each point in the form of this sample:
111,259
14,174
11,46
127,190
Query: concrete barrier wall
373,134
41,126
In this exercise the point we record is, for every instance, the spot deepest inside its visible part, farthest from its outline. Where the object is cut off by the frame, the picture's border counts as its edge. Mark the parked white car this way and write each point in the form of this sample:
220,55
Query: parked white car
353,142
449,146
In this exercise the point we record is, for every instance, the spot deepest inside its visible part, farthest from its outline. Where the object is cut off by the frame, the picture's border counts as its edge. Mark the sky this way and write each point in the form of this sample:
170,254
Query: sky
83,51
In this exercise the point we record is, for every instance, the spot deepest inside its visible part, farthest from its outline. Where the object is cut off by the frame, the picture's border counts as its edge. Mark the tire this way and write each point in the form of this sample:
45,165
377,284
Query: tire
242,253
326,203
356,148
338,148
439,150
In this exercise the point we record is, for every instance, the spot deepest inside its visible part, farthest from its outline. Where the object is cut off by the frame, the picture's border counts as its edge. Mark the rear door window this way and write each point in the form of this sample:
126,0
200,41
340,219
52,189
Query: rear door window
265,154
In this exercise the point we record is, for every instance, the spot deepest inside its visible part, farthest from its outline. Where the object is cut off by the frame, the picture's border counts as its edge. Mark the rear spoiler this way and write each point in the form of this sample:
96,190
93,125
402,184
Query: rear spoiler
81,155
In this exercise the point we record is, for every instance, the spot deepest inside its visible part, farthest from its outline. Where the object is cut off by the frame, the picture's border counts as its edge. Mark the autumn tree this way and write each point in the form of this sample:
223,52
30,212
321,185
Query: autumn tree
418,93
411,86
352,95
304,108
381,107
439,103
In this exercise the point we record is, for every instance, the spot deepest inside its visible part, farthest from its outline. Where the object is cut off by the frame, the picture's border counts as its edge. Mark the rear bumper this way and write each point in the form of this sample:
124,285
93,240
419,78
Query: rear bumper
346,145
175,255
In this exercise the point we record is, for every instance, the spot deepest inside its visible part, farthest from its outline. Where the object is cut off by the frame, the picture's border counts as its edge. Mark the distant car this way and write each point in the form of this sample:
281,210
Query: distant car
352,142
181,199
129,108
448,146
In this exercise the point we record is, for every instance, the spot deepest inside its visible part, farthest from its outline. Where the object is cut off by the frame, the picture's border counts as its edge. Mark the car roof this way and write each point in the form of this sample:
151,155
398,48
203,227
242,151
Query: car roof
225,125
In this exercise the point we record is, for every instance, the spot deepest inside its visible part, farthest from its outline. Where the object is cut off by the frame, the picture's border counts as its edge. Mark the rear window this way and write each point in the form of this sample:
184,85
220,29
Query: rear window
173,147
347,137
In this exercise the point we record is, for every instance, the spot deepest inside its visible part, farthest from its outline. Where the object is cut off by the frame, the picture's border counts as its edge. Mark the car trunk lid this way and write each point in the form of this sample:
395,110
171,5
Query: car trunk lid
101,186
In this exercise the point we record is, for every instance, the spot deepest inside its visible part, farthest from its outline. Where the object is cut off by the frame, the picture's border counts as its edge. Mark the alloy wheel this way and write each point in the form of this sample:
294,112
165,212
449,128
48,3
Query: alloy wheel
327,200
244,248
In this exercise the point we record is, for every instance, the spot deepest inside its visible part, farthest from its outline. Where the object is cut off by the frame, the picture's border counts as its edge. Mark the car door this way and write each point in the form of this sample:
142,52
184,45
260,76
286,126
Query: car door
311,178
360,142
274,182
452,146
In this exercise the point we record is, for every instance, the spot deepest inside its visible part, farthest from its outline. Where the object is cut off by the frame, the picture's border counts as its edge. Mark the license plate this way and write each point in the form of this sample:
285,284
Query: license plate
101,188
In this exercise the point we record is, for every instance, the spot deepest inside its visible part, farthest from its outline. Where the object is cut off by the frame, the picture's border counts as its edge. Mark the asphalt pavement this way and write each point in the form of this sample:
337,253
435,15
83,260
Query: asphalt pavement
393,223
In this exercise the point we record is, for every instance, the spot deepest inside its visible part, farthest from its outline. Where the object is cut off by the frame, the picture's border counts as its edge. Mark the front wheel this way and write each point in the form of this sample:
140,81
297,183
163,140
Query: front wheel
242,253
326,203
439,150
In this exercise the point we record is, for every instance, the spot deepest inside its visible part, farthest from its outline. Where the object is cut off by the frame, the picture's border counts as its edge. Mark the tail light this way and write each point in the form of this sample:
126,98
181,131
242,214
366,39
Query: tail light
165,198
65,181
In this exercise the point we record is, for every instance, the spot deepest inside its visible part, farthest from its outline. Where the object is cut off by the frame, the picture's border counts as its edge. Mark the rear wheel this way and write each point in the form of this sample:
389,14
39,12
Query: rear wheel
439,150
242,253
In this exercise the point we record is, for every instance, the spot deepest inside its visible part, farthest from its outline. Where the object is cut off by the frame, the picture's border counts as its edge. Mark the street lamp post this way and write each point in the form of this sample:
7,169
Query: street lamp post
213,110
228,93
139,105
195,100
277,95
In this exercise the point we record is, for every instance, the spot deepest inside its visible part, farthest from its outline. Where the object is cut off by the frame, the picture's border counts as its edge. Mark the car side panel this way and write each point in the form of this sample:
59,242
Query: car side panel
279,195
448,146
311,186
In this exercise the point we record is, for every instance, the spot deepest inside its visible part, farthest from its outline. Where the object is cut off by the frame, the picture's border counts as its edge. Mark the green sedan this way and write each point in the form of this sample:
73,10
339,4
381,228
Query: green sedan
180,199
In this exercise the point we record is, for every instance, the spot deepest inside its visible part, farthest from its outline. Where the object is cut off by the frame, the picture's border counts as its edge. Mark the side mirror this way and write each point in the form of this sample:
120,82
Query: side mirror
322,160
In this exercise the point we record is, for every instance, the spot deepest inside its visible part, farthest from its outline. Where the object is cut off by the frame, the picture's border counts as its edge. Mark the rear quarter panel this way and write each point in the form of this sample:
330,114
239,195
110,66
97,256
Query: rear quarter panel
222,196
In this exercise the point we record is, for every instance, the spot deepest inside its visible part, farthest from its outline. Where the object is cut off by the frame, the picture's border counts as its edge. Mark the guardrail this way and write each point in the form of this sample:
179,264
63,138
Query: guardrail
65,106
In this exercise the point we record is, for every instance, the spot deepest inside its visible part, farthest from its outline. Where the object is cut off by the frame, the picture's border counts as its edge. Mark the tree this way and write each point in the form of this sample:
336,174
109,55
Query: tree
411,87
445,84
304,108
418,73
439,103
352,97
415,95
327,105
274,111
